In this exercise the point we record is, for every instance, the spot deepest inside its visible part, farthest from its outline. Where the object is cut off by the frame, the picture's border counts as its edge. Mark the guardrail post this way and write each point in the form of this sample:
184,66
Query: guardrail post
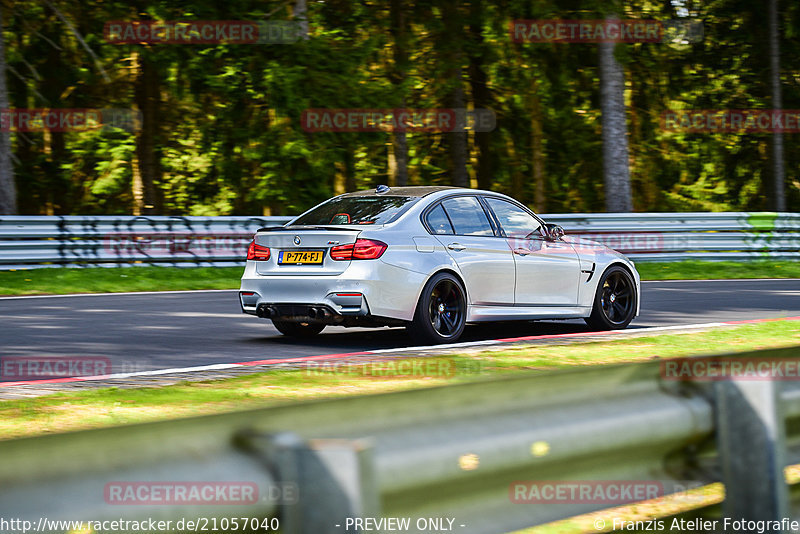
334,480
751,438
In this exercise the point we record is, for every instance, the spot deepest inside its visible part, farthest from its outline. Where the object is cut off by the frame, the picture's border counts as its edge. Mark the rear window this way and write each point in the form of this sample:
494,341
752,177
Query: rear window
438,221
467,216
356,210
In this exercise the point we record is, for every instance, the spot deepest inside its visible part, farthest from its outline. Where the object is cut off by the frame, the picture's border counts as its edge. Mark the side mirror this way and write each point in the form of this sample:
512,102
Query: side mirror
554,232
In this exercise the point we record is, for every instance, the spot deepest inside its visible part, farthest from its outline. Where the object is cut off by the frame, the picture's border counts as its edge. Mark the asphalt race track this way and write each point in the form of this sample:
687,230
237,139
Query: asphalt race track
140,332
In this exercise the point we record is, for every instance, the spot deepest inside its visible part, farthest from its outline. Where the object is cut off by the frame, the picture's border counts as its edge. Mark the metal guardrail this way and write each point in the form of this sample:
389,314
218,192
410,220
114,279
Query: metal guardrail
108,241
733,236
452,452
27,242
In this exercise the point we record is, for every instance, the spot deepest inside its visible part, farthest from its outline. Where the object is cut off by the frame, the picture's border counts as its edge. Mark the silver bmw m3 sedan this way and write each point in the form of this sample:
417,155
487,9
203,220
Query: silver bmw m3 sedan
432,259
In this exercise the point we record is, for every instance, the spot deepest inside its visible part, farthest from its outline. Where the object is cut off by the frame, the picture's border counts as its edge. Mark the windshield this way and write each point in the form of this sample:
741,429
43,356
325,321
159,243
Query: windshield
356,210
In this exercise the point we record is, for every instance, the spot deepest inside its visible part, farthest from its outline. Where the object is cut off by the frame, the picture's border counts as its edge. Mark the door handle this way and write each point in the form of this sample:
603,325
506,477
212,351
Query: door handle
456,246
522,251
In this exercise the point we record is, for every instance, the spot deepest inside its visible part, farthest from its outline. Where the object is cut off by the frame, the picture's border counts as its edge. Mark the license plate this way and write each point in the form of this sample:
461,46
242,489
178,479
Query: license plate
301,257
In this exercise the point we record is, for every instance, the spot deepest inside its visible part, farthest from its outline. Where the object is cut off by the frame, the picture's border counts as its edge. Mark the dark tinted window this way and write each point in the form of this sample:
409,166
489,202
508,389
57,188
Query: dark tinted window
356,210
467,216
438,222
515,221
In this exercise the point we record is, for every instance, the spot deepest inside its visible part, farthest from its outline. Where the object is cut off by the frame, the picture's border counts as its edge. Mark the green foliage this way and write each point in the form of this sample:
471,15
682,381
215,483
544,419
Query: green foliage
229,138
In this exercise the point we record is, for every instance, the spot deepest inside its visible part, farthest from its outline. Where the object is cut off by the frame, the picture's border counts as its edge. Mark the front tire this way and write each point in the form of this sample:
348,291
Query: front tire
441,312
615,300
301,330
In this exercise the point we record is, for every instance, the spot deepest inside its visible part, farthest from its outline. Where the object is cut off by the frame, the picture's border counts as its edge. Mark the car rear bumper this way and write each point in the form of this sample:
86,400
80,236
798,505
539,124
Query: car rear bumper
369,288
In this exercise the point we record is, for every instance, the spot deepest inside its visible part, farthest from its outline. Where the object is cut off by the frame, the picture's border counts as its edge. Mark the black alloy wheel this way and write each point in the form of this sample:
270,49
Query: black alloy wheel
615,300
441,312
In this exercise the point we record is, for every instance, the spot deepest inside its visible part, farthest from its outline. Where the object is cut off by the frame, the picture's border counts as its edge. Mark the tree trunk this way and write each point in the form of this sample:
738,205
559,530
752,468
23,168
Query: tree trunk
481,96
62,192
349,169
301,16
137,188
616,173
516,175
8,190
458,140
778,169
399,31
400,153
146,94
537,155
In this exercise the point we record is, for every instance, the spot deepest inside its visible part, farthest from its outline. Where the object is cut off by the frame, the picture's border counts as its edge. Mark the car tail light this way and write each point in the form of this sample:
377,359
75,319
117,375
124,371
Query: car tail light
368,249
257,252
342,252
362,249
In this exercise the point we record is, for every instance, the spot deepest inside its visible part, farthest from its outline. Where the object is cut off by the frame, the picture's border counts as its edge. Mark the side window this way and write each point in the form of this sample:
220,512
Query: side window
468,216
438,222
515,221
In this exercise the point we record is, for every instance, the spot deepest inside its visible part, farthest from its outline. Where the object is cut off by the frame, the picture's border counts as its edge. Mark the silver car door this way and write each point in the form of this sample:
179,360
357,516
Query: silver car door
463,228
547,272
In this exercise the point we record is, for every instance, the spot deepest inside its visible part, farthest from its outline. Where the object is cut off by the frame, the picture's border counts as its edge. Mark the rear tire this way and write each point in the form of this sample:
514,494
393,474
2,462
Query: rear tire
615,300
301,330
441,312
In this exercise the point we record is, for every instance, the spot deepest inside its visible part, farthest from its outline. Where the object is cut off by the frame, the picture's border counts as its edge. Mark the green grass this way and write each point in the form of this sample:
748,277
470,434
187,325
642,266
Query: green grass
94,408
708,270
61,281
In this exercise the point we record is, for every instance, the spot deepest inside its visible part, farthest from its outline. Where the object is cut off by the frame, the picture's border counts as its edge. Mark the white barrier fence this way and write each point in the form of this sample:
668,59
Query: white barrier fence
32,241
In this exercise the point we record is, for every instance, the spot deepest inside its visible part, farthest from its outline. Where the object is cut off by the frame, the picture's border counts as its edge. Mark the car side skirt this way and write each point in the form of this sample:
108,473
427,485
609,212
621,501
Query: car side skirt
478,314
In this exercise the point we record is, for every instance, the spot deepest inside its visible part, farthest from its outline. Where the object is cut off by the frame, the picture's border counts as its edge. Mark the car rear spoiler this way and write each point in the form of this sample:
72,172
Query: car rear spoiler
296,228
